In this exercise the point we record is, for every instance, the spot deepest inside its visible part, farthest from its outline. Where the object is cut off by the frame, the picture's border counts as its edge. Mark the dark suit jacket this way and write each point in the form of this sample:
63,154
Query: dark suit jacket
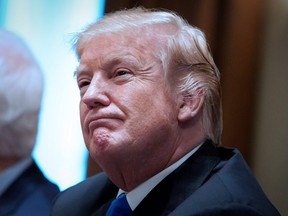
30,195
213,181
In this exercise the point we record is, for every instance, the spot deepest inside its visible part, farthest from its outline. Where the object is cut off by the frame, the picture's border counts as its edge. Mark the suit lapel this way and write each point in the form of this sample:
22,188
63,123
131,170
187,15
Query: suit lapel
176,187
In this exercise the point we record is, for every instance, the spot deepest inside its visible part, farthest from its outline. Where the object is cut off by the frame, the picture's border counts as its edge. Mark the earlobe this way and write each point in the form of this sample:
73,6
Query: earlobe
190,107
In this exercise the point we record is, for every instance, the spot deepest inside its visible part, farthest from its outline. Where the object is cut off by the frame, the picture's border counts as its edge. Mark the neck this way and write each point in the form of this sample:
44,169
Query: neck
132,173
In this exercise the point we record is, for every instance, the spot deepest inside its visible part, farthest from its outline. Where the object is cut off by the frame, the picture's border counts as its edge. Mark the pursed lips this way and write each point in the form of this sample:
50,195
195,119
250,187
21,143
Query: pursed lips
96,121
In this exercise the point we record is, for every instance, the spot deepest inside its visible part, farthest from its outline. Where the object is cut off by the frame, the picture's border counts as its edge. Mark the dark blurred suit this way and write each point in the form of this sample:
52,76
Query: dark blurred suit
31,194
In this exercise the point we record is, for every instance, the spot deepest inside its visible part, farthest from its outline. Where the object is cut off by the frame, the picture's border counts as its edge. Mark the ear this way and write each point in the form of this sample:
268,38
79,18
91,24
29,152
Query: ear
190,106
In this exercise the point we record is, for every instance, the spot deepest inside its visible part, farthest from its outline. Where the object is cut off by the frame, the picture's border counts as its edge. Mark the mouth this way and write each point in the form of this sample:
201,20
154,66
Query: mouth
109,122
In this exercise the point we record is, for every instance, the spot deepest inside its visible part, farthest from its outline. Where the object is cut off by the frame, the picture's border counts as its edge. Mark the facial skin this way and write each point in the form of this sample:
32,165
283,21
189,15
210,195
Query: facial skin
129,112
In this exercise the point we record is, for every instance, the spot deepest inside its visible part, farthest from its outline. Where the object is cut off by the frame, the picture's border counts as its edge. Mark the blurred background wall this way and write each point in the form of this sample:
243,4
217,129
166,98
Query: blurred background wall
249,42
269,156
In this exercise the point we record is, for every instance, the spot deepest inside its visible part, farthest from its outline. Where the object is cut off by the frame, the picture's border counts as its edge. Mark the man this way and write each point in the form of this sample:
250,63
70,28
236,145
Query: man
23,188
151,118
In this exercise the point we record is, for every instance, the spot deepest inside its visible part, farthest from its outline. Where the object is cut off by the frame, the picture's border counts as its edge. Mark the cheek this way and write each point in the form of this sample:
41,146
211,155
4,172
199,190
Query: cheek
155,110
83,112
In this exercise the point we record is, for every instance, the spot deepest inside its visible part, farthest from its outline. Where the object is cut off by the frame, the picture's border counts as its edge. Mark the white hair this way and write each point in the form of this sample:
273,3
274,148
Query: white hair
21,86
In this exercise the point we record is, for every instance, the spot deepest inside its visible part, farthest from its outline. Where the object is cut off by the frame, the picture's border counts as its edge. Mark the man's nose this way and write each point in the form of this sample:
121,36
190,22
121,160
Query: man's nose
97,93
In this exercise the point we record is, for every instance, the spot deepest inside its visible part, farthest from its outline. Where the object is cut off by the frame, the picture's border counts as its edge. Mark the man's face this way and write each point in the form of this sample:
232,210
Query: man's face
128,109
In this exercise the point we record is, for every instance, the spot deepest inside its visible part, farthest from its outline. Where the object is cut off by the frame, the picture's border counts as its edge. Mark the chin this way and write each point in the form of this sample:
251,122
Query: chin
101,138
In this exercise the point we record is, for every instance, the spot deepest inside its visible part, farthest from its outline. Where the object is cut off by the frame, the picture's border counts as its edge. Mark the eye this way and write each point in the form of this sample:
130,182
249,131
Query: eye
122,72
83,83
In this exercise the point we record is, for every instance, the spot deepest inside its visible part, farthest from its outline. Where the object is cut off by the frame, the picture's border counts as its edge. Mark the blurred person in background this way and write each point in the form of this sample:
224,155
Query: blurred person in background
24,190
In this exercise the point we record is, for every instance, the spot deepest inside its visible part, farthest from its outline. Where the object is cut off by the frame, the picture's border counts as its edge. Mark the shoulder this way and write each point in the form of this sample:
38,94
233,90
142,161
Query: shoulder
85,186
82,198
230,189
235,209
39,188
31,193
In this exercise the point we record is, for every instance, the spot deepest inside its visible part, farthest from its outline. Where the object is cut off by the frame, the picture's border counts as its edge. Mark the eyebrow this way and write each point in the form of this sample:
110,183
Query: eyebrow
112,60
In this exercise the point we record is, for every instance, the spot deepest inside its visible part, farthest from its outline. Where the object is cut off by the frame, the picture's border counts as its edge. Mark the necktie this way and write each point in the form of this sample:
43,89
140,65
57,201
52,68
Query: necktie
119,207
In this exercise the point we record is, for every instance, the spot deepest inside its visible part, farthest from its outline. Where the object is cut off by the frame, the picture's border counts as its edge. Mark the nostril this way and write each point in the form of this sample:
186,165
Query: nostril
94,104
94,101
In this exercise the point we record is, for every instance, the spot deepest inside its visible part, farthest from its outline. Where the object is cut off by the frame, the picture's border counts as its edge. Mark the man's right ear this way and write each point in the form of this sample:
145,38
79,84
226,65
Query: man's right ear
190,106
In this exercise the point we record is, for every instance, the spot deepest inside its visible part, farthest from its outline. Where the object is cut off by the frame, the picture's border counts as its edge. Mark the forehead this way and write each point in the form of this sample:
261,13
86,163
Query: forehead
138,46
